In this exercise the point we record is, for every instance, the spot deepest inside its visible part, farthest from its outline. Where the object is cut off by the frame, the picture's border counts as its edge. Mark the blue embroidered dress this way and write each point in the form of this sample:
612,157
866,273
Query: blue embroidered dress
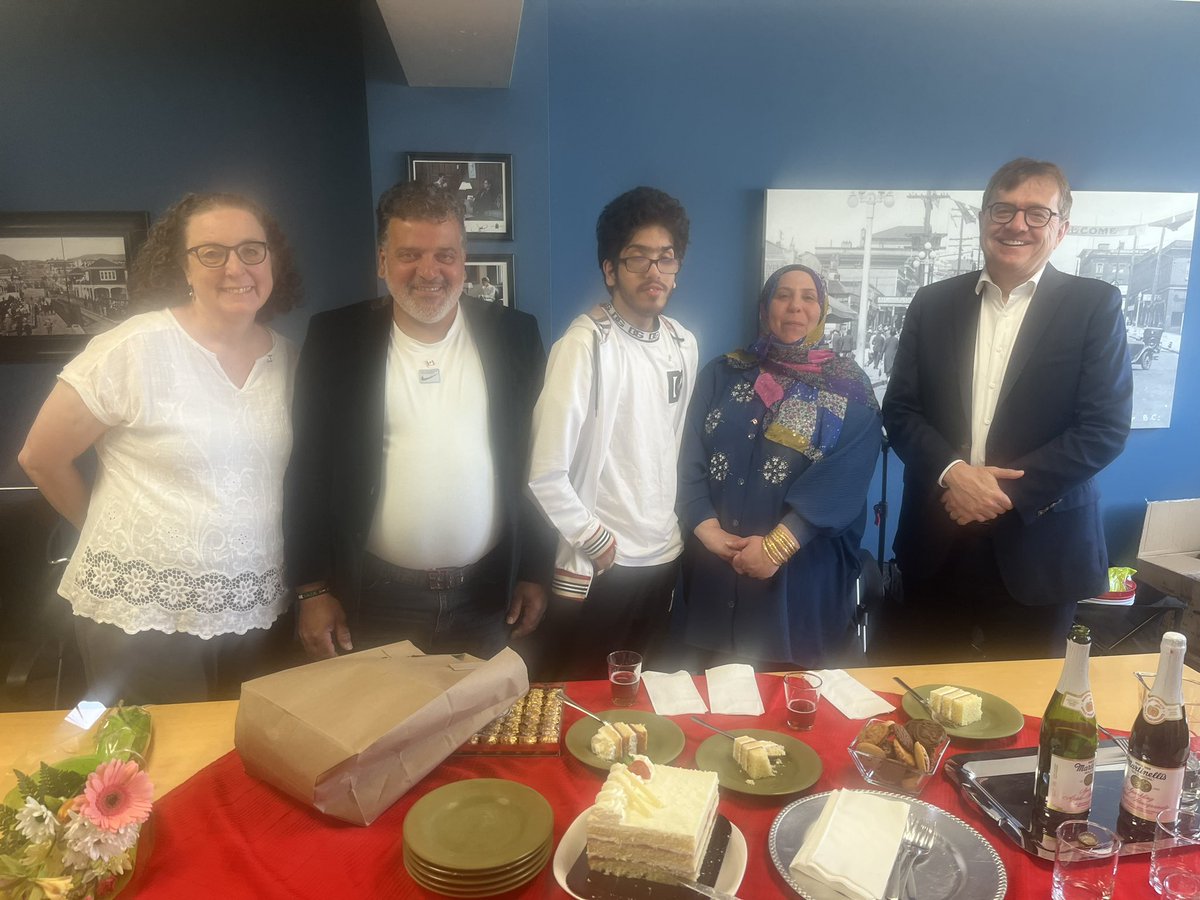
730,469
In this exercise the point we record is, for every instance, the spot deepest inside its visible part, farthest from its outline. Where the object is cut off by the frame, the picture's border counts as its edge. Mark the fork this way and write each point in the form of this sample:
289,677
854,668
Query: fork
923,842
900,869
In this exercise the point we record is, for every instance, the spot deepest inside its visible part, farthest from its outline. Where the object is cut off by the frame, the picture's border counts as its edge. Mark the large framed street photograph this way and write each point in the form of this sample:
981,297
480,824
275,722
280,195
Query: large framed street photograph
491,277
876,248
63,278
483,182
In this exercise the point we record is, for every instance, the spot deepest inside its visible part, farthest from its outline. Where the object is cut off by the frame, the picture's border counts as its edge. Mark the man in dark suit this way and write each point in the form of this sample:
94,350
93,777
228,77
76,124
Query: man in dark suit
1011,389
405,514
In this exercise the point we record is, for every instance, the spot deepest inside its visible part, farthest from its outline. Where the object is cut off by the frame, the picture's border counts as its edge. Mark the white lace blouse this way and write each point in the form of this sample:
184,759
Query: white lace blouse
183,529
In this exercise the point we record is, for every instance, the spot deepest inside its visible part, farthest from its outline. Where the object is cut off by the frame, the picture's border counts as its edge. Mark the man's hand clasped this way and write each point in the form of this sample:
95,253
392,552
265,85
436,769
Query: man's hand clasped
974,494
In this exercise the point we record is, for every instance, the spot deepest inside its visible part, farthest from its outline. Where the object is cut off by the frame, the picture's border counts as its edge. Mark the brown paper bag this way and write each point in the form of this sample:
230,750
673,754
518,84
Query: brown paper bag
350,735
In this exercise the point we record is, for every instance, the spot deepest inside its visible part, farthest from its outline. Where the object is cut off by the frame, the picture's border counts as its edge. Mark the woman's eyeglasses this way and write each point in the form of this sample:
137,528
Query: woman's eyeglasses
213,256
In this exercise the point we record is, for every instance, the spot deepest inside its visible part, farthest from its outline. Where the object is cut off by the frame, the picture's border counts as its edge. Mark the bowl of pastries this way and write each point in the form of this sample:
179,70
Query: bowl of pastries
899,757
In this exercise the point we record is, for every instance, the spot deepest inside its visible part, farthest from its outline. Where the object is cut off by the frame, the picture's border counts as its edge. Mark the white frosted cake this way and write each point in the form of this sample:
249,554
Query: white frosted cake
616,740
754,756
956,705
652,822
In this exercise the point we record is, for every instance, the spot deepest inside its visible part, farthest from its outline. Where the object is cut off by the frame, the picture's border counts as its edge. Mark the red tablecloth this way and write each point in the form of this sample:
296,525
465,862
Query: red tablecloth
224,834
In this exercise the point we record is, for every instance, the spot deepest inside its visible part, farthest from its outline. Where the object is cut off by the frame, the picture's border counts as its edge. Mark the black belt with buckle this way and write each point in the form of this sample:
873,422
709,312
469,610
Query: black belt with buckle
445,579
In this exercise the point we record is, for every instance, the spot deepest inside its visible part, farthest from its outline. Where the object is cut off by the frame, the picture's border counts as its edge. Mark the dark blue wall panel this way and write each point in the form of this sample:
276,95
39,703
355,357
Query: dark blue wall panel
127,105
715,102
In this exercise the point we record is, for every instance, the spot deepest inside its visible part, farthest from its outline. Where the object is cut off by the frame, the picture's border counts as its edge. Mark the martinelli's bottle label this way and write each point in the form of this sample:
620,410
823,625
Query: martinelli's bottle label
1062,787
1158,748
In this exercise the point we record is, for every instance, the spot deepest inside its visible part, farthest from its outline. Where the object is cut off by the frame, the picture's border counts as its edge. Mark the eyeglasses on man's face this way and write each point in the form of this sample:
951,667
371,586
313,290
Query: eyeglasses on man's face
213,256
1035,216
640,265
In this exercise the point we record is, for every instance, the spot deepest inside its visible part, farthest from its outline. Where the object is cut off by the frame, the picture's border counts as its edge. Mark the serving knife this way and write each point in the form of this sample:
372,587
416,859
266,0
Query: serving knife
587,712
925,704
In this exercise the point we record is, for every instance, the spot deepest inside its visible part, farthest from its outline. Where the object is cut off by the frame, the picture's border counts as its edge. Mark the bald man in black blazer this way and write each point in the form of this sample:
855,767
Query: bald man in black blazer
1011,390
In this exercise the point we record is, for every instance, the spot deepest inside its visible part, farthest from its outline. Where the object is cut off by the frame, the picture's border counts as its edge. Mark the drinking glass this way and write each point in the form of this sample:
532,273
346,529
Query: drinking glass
624,676
1175,857
801,693
1181,886
1085,861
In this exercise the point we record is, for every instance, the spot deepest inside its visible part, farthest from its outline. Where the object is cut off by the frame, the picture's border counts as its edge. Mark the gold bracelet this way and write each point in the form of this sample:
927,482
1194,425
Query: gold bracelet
785,538
779,545
771,551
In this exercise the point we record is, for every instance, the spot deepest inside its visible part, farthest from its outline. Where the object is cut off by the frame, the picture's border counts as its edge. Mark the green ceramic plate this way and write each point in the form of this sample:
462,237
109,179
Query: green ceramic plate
480,823
666,738
1000,718
798,770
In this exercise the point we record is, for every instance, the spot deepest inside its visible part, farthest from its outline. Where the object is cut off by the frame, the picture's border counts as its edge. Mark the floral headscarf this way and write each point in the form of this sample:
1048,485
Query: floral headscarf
805,390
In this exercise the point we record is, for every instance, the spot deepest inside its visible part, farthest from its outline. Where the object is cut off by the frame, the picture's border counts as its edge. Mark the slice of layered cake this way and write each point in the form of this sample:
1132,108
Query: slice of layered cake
754,756
617,740
957,706
652,822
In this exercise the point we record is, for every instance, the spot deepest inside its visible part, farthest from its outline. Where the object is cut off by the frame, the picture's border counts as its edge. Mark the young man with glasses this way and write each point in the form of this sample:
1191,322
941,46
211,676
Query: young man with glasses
606,441
1011,390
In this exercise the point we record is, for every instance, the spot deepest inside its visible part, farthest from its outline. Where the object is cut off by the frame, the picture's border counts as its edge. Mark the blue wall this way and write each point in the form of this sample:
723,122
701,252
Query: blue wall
128,104
714,102
513,120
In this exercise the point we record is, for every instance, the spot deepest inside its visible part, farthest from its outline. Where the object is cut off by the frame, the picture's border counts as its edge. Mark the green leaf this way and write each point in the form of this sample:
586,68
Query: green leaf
56,782
27,786
11,840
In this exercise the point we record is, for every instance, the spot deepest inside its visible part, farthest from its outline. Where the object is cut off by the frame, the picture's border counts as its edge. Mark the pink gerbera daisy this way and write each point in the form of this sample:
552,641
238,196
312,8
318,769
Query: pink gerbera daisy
117,794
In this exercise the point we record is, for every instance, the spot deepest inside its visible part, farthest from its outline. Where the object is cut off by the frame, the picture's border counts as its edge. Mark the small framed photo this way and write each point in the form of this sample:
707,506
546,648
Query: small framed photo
483,182
64,276
491,276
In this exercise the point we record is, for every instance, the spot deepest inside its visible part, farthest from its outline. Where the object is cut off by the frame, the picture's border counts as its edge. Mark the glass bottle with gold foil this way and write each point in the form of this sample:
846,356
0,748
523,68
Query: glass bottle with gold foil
1158,748
1062,788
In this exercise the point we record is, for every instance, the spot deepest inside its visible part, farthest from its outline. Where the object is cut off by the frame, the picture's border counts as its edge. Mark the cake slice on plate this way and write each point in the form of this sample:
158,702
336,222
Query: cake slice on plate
652,822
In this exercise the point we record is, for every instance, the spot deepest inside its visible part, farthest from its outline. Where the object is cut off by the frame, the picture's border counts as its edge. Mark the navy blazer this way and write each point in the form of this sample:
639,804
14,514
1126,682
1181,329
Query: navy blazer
333,479
1063,414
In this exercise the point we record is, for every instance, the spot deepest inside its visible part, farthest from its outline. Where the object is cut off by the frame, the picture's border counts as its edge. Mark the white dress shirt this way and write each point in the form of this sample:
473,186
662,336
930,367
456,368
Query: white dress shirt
1000,321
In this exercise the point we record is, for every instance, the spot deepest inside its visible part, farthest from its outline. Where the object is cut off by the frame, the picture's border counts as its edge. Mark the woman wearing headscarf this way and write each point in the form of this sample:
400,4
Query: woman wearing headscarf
177,576
778,452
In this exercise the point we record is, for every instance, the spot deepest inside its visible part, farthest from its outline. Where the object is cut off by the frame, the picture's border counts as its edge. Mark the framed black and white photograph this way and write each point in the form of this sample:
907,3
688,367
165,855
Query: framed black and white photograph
876,248
490,276
64,277
483,182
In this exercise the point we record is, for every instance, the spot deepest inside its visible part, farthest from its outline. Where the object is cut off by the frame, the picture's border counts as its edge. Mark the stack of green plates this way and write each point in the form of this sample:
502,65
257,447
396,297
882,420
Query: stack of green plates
478,837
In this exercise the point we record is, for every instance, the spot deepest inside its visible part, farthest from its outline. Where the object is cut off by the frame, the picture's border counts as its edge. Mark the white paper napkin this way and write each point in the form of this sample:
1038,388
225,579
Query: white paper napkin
674,694
852,698
733,691
853,844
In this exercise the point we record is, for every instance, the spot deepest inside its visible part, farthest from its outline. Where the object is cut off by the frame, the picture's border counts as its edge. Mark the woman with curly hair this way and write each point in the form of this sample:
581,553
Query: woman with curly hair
178,572
778,450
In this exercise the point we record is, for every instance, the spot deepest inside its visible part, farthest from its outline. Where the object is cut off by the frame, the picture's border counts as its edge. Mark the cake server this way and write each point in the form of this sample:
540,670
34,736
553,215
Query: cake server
700,721
567,700
704,890
925,705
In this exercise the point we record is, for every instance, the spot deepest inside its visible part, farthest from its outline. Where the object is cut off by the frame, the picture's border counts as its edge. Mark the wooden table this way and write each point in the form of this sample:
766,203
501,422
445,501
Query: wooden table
189,736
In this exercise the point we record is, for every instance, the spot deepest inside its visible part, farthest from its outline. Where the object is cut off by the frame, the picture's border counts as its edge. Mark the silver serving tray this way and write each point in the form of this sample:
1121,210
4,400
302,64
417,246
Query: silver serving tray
1000,784
962,865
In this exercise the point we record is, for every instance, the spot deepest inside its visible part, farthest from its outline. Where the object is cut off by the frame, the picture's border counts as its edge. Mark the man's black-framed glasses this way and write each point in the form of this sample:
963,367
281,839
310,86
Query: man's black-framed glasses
640,265
213,256
1035,216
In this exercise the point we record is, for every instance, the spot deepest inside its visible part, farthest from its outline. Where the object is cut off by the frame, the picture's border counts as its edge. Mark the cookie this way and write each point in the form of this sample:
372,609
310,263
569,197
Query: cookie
903,738
927,732
904,755
870,749
922,757
875,732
